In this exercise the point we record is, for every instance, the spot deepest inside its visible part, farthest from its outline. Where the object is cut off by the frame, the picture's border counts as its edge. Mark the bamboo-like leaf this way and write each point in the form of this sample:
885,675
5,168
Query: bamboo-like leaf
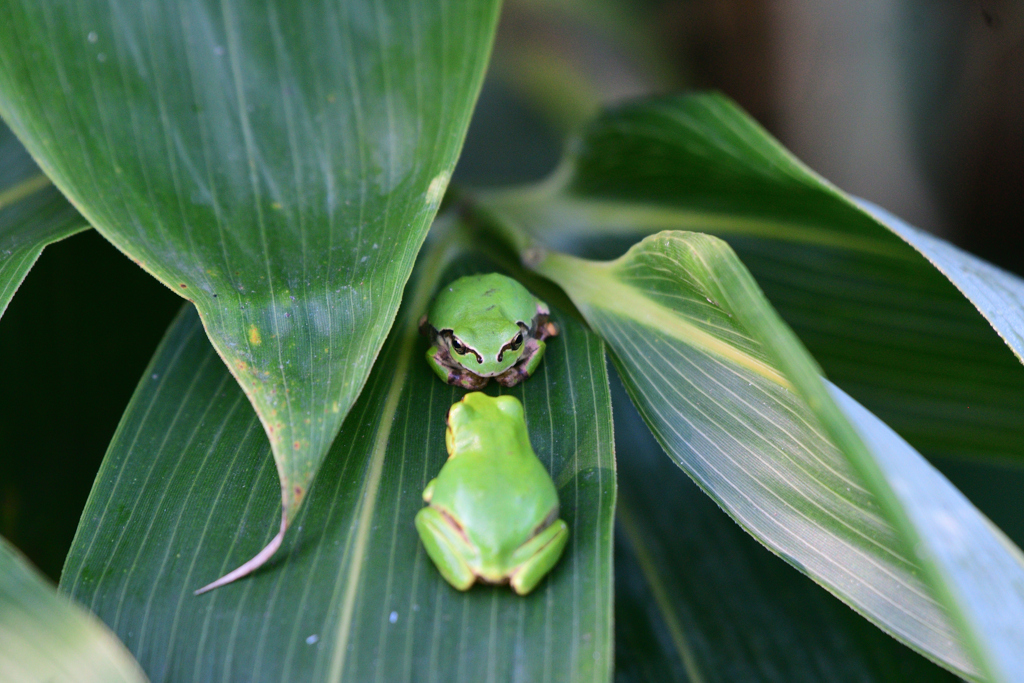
32,214
985,569
997,294
908,333
354,597
43,637
736,401
697,599
276,163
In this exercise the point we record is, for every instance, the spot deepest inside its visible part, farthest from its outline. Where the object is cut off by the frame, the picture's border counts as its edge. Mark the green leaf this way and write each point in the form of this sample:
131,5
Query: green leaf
44,637
32,214
276,163
982,568
997,294
902,335
187,483
698,599
736,401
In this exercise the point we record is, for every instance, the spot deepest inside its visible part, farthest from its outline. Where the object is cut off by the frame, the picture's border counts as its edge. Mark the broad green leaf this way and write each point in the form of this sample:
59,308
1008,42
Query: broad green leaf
885,322
44,637
985,568
276,163
736,401
353,596
697,599
997,294
32,214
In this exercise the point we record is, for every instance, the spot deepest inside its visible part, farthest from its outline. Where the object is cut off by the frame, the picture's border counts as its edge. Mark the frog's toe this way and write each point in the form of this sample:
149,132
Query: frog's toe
445,548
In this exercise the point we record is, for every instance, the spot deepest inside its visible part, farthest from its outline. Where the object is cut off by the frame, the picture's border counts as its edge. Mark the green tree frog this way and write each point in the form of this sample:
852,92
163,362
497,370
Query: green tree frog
492,511
484,326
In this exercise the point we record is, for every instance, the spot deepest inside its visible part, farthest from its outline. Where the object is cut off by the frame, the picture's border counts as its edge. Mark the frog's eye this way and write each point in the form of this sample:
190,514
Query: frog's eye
517,341
458,346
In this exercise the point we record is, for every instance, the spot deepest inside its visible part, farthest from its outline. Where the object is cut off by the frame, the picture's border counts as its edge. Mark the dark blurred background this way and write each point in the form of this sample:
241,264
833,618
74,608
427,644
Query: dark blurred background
917,105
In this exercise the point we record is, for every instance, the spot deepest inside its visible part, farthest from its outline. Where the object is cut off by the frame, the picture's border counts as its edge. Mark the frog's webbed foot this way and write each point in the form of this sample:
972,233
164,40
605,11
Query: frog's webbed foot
539,555
446,547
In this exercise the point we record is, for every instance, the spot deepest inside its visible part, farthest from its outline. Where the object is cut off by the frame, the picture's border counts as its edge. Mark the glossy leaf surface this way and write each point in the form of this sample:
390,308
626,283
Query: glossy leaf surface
909,336
32,214
698,599
278,164
43,637
735,400
983,565
353,595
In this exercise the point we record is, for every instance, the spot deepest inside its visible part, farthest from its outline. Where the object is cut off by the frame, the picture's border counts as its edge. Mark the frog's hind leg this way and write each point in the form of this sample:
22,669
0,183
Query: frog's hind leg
539,555
446,547
542,327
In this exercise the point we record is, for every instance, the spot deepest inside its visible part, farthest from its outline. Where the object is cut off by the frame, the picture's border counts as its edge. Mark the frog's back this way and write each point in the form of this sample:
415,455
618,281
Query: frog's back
479,297
511,498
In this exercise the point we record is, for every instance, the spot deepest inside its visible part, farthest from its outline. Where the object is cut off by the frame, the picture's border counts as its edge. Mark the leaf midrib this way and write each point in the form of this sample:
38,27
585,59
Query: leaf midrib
436,257
635,540
593,285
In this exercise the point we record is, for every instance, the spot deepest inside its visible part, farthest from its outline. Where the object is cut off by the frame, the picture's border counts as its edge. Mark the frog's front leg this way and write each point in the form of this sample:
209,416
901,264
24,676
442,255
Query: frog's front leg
452,373
526,366
446,548
538,556
436,361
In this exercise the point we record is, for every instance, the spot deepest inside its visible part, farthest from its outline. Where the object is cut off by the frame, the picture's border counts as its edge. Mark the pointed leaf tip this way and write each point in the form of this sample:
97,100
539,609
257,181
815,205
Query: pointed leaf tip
278,169
33,214
252,565
353,547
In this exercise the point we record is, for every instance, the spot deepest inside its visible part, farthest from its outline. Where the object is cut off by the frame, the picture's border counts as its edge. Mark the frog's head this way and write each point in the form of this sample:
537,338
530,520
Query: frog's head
479,417
485,321
489,346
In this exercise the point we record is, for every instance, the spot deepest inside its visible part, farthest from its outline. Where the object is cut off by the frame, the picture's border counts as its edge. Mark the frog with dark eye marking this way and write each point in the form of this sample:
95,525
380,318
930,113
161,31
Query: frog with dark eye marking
484,326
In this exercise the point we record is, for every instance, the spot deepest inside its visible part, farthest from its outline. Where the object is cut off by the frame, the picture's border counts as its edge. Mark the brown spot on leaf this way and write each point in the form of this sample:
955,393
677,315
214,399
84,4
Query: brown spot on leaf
297,445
